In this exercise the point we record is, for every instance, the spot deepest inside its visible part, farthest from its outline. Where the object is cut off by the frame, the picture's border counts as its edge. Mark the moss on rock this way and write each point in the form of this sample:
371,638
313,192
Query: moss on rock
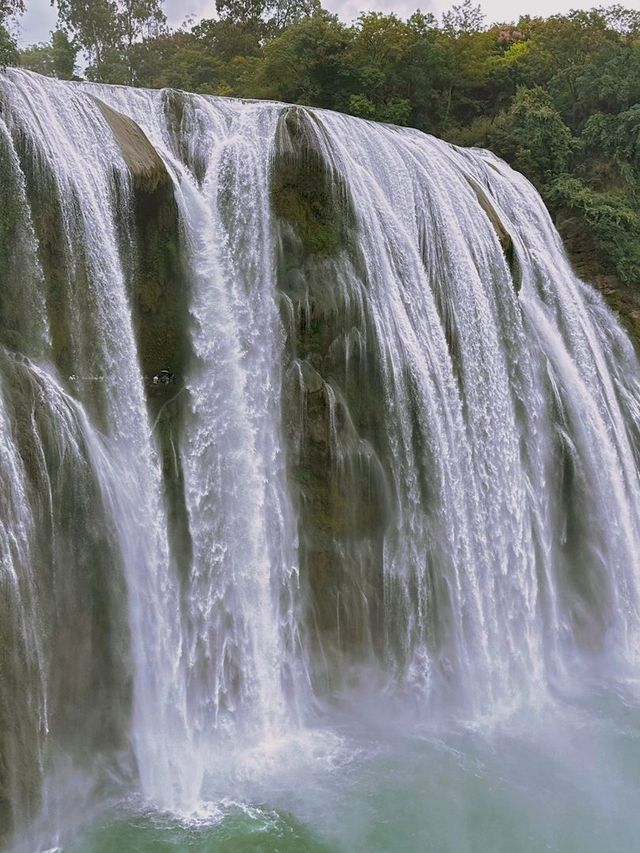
306,192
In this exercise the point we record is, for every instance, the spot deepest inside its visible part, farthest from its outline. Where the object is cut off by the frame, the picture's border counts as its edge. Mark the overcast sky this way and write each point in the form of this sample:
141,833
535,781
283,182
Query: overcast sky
40,18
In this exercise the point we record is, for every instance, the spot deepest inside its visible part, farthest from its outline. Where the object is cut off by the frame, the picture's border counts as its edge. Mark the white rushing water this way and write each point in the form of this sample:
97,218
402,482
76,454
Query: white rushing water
404,461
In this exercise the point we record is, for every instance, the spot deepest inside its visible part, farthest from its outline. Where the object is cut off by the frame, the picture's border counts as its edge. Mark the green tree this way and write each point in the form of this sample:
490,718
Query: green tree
266,17
533,137
178,60
138,19
8,49
465,18
561,49
377,56
227,39
8,8
55,59
467,68
93,26
107,30
609,220
306,64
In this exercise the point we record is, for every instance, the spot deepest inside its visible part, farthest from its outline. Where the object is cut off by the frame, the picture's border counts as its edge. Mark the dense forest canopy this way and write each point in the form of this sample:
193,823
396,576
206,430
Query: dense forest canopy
558,98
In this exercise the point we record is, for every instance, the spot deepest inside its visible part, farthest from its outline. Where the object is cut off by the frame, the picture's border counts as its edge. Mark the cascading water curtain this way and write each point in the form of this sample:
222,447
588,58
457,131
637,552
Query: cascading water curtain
294,408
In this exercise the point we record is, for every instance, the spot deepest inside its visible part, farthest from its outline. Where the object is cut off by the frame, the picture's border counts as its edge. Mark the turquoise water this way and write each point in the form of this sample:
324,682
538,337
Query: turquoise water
563,777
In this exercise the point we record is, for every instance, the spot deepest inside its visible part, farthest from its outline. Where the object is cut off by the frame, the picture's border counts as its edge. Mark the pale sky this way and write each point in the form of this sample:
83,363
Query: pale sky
40,18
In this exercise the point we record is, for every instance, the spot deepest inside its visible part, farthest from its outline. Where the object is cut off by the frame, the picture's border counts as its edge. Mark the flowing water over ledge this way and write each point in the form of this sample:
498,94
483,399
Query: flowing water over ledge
319,491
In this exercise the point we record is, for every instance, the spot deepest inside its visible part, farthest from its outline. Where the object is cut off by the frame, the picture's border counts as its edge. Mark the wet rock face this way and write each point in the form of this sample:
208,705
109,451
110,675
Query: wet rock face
503,235
621,297
143,161
160,290
332,402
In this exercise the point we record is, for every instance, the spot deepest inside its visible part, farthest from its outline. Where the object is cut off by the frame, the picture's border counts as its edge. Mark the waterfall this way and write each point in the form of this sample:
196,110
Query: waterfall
293,407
